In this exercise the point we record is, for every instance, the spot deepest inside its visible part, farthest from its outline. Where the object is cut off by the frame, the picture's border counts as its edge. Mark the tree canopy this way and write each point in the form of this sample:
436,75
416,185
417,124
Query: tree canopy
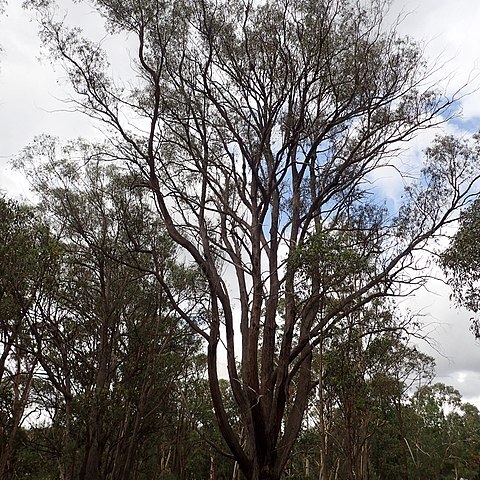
461,263
257,130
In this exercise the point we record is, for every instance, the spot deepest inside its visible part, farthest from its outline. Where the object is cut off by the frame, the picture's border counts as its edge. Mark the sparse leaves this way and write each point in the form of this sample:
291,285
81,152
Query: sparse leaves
461,262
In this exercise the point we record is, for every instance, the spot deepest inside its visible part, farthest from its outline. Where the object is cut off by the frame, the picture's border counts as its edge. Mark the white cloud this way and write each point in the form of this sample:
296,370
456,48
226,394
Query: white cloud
30,95
450,34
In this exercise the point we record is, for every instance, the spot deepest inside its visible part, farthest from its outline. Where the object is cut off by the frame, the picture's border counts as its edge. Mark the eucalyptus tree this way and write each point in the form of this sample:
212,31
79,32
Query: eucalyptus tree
365,374
27,255
112,350
461,260
258,128
436,434
365,370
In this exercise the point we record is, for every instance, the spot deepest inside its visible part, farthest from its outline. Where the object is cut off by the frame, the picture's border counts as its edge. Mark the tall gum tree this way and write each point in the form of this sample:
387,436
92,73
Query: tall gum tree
258,127
461,259
27,259
111,352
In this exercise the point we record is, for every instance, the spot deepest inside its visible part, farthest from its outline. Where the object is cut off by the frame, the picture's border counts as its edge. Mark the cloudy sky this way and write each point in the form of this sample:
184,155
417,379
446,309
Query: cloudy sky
30,104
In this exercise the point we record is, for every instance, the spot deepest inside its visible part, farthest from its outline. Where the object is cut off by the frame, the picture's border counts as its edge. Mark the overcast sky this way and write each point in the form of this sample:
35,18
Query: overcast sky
30,104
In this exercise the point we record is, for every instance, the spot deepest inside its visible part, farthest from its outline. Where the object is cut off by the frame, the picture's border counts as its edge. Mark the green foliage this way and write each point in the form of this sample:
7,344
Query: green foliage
114,357
461,262
105,240
256,129
28,258
429,434
330,255
441,445
26,254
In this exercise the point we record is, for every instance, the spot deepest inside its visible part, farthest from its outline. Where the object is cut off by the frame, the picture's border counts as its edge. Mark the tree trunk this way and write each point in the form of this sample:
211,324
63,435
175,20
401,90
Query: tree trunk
20,398
398,407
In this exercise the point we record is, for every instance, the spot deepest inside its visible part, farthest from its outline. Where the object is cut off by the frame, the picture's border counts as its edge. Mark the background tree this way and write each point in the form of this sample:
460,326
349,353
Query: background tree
258,127
461,260
27,254
112,350
367,369
436,432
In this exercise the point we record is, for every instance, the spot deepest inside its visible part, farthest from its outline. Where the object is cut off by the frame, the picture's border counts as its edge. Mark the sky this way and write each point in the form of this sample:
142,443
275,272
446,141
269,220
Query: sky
31,93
